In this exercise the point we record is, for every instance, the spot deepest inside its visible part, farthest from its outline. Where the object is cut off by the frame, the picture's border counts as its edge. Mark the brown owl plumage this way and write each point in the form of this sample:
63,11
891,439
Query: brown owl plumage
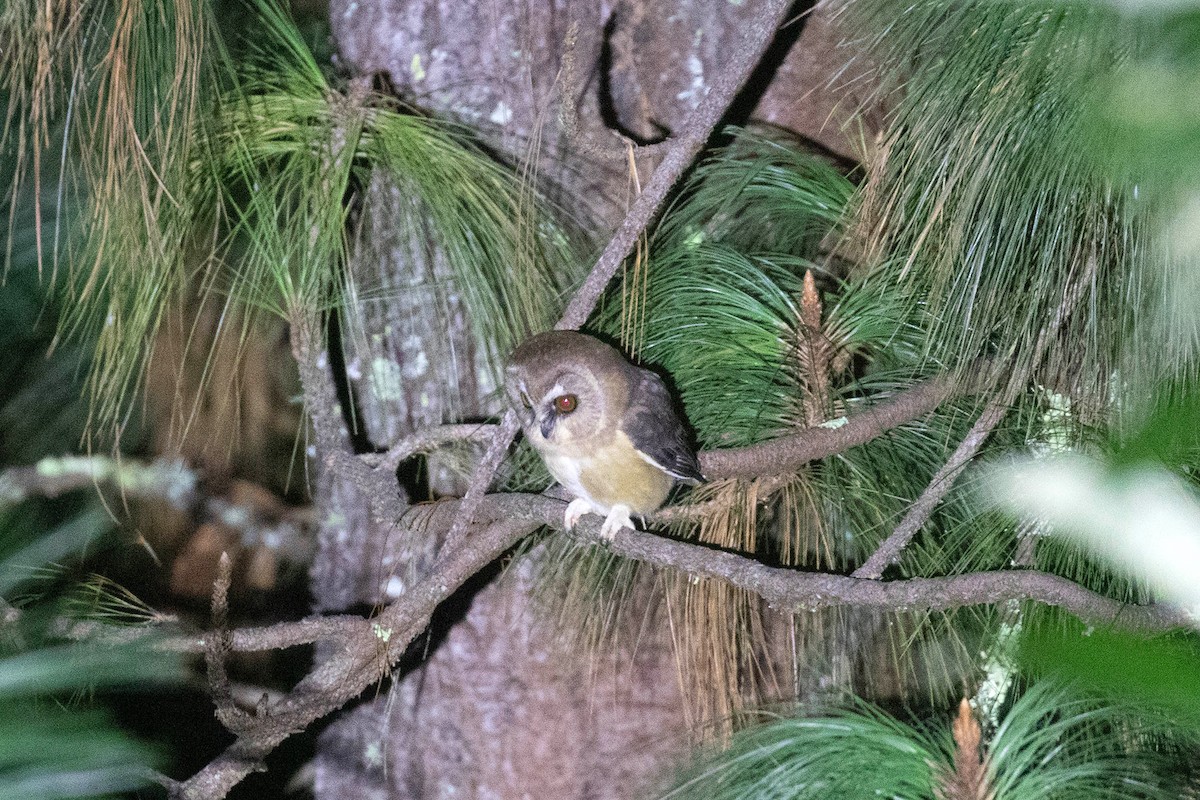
607,429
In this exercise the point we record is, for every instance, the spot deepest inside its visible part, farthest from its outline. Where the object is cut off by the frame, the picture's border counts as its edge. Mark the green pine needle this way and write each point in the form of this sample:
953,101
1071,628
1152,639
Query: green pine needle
984,202
1053,743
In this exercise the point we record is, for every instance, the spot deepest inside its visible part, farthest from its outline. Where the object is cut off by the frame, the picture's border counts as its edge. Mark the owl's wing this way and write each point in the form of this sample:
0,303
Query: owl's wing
655,429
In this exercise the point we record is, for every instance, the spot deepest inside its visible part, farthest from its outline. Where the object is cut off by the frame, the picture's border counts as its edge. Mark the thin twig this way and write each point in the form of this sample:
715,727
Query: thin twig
481,477
919,512
428,439
219,646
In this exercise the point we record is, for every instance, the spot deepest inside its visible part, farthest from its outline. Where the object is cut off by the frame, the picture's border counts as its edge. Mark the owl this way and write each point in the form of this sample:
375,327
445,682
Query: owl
606,429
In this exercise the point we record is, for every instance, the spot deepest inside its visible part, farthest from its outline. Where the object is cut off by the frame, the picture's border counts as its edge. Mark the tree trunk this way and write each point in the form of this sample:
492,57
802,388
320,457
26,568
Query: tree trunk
499,706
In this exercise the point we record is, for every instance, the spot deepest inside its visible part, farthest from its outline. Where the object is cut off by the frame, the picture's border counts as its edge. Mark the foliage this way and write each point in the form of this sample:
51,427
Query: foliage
1053,743
54,741
231,180
49,749
984,201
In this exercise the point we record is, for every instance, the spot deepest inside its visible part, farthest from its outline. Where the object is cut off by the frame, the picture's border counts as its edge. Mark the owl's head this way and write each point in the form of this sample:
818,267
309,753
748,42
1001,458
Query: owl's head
567,387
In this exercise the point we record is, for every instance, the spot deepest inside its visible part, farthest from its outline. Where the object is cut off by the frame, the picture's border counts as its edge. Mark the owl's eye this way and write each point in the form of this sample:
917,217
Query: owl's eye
565,403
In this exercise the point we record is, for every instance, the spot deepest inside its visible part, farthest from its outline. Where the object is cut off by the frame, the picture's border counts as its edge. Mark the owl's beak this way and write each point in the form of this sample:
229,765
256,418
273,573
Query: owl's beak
546,425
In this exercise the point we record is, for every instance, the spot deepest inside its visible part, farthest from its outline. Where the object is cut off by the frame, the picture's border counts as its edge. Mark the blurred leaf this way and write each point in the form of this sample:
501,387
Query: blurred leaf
1143,127
1170,436
1144,520
67,667
1147,121
48,752
1163,673
50,548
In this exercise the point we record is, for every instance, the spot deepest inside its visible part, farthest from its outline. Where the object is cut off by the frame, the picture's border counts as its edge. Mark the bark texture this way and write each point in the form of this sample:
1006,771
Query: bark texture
503,709
640,66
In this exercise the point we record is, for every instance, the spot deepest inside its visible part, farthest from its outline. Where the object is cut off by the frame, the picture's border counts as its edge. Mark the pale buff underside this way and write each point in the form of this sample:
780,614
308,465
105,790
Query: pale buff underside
613,474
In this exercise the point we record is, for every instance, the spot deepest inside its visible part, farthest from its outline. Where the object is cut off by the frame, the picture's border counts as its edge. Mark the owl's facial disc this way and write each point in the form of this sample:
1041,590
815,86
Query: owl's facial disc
514,385
549,411
568,410
518,395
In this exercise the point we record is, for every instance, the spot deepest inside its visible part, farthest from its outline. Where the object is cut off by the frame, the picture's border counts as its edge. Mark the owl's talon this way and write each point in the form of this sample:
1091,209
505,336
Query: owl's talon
575,509
617,518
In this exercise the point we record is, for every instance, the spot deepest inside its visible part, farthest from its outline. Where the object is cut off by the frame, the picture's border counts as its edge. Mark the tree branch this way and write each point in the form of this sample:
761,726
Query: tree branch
787,589
371,647
279,636
789,453
919,512
792,589
163,479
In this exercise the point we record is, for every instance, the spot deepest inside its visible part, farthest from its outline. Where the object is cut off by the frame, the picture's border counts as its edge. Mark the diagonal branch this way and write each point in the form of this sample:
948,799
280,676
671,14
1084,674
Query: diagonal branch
789,453
683,150
483,475
919,512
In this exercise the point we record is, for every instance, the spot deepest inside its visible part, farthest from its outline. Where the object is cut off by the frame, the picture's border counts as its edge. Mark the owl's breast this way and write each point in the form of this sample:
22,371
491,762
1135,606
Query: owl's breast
609,474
